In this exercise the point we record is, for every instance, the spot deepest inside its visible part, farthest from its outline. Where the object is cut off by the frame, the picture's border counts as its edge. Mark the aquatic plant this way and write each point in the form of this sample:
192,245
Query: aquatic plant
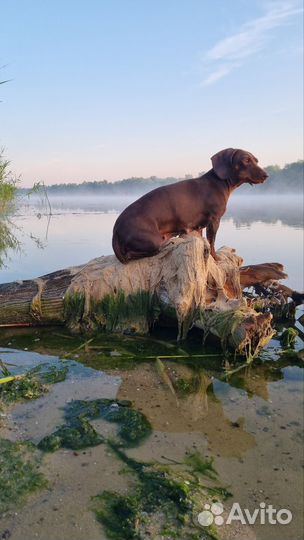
187,386
134,312
160,500
73,309
288,337
81,435
19,475
32,384
200,465
133,426
50,374
22,387
118,514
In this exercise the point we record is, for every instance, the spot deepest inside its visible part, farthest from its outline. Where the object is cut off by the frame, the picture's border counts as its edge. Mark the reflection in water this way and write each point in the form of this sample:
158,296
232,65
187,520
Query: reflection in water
8,240
246,210
194,408
81,229
12,232
243,209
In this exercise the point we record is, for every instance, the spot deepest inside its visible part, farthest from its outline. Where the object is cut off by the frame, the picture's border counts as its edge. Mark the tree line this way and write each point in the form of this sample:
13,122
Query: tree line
288,179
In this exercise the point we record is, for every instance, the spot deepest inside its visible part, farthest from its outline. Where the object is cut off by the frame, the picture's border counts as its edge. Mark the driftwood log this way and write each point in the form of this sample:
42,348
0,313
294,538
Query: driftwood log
183,282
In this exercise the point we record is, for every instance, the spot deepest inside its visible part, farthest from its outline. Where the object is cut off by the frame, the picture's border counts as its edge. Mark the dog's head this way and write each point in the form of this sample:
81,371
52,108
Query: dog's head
238,166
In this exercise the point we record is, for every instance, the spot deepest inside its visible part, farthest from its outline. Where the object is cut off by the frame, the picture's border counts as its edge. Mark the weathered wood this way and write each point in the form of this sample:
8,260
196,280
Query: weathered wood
265,280
260,274
36,301
17,299
182,281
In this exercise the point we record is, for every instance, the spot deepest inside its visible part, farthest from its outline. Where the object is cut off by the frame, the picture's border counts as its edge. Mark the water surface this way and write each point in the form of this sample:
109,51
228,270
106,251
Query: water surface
250,423
260,229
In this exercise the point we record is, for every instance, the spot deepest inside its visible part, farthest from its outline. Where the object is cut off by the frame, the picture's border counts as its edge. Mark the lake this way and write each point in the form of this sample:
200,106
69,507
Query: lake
267,229
250,425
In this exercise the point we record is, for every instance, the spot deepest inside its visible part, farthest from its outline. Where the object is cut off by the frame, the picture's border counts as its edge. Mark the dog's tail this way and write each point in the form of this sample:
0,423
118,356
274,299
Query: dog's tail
117,248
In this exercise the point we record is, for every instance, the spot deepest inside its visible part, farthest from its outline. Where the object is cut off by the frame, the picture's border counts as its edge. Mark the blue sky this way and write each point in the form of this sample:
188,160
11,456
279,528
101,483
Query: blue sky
108,89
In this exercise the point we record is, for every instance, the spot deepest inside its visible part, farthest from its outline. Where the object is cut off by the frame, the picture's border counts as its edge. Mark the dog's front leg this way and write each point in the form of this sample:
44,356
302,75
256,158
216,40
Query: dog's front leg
211,231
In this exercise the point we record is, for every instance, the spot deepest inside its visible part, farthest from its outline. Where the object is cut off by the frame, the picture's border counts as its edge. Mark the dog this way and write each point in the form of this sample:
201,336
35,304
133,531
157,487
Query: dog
148,224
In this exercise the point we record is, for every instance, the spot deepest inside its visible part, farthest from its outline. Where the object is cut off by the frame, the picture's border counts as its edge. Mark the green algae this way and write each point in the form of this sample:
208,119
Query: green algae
32,385
200,465
82,435
118,514
185,387
117,312
292,357
73,309
133,426
288,338
78,433
218,492
161,499
25,387
113,352
19,473
50,374
160,494
120,312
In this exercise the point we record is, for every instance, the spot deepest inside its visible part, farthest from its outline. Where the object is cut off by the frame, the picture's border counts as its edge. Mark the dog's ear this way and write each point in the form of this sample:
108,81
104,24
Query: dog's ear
222,162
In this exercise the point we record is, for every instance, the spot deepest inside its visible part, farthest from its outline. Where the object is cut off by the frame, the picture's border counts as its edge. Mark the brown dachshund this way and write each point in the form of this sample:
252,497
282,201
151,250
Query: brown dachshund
147,225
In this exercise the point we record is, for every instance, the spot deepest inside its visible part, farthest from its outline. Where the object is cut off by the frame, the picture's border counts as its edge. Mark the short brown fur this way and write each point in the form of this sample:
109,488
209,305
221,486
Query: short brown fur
149,223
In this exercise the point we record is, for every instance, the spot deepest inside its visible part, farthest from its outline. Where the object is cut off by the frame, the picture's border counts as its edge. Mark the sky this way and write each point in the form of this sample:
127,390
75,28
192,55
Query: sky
110,89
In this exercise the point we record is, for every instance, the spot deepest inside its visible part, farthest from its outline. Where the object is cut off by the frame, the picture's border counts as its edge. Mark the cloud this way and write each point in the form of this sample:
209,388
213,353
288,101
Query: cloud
231,52
219,73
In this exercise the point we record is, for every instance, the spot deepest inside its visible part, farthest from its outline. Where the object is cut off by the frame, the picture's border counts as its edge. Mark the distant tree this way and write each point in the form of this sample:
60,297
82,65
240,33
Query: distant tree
282,180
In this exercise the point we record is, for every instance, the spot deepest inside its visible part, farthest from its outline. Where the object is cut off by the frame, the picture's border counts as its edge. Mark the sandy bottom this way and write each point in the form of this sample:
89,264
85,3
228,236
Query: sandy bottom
254,435
256,440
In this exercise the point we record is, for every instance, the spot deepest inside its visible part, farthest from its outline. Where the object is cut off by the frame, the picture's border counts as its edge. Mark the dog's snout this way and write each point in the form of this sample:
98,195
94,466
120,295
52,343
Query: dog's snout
264,175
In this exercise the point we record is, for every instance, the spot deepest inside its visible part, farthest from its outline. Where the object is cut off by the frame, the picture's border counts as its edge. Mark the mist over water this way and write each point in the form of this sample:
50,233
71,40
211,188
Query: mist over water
242,208
264,228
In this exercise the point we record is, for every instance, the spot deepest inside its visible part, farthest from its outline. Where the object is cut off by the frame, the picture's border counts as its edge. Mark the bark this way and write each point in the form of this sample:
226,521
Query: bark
182,281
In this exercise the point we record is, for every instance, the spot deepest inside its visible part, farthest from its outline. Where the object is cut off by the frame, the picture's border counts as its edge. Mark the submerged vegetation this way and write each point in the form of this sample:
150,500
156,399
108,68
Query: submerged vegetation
288,338
201,466
19,473
30,385
164,501
22,387
19,461
78,433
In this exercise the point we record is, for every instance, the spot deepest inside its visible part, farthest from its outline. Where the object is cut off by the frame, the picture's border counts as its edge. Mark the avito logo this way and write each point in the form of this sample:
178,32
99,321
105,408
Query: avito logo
212,513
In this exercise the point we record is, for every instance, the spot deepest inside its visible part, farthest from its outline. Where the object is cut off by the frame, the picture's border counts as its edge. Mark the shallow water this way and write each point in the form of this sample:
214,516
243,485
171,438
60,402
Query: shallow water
250,423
